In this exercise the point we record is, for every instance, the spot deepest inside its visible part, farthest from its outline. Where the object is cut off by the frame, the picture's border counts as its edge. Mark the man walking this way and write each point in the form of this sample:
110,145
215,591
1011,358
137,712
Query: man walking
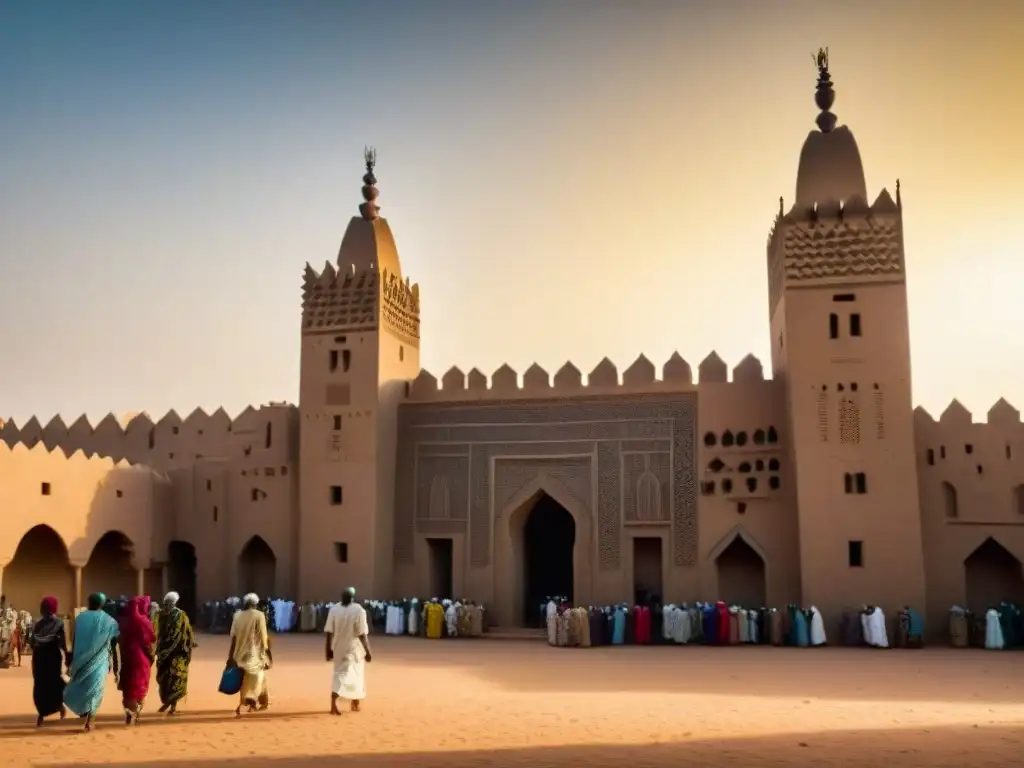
349,649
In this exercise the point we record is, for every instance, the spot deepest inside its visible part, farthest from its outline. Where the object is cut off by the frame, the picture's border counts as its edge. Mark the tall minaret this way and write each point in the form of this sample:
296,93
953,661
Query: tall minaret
840,342
360,346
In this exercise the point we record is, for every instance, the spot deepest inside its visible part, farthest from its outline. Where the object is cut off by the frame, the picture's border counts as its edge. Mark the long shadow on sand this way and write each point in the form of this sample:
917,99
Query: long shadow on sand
19,726
976,747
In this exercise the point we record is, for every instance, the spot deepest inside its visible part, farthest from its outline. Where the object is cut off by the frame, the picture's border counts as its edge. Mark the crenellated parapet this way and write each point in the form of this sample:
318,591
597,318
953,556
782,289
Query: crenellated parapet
568,381
956,437
166,443
836,240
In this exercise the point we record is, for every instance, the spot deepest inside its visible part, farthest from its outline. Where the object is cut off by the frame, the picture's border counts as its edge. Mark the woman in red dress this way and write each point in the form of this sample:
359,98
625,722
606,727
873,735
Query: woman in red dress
136,644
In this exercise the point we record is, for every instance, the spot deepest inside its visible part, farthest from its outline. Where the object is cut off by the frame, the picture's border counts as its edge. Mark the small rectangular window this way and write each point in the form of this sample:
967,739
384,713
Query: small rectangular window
855,554
45,489
334,360
337,423
833,326
209,485
216,514
336,495
848,483
341,551
841,297
855,324
860,482
119,493
930,455
346,359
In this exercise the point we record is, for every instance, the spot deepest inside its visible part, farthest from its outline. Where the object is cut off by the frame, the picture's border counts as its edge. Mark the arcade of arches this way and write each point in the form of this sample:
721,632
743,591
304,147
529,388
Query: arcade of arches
41,567
992,575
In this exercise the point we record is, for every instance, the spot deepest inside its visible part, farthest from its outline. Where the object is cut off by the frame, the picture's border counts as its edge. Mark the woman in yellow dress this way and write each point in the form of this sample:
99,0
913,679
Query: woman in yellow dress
435,619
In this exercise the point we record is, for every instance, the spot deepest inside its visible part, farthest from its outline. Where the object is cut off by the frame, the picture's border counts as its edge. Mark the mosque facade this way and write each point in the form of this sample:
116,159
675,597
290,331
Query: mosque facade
819,485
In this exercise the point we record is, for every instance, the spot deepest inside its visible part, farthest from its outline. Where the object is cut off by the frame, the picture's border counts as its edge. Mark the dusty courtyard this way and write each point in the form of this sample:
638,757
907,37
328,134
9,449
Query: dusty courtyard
464,703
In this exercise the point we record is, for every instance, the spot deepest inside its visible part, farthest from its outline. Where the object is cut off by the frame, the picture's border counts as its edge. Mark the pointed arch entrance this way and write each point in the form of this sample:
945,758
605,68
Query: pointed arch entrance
992,575
111,567
257,568
742,571
40,568
541,548
181,575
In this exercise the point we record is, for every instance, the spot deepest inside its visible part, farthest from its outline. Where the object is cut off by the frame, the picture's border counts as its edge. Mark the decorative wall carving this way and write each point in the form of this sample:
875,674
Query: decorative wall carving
849,421
512,475
646,487
879,403
442,490
823,417
510,429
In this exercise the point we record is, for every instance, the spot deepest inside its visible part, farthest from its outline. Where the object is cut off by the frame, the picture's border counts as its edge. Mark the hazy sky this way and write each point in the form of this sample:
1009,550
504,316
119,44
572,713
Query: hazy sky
565,180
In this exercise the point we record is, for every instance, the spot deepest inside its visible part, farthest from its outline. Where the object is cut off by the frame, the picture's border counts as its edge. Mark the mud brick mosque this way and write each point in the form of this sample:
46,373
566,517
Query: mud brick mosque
820,485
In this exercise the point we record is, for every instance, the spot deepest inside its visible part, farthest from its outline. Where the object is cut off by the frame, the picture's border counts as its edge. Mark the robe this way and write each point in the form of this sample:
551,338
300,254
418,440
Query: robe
721,623
709,625
775,627
451,619
552,628
412,622
434,620
733,617
643,626
817,628
875,631
619,626
994,640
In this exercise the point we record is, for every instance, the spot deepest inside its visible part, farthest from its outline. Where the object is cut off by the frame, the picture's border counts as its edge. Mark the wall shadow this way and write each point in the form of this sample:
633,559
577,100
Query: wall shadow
1002,746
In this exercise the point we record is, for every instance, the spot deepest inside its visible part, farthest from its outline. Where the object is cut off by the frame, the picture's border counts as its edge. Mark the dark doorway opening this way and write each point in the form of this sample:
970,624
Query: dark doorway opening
181,576
647,570
549,536
741,576
110,569
441,568
993,576
257,569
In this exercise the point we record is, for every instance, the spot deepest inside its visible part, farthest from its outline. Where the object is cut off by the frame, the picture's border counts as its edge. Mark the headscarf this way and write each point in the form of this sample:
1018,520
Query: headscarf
135,624
251,600
171,598
47,629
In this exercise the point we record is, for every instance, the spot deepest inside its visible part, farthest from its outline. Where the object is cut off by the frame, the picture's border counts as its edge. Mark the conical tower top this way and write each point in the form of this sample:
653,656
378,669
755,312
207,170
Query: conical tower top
824,95
369,209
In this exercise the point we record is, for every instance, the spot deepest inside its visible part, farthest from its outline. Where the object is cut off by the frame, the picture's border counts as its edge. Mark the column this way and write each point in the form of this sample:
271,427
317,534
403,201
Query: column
78,587
140,581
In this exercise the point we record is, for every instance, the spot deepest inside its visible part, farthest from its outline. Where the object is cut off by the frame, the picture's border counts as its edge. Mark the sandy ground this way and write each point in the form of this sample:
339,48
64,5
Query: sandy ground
463,703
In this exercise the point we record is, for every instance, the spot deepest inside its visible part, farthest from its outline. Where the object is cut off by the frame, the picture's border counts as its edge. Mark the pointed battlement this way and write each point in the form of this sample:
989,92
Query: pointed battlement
641,376
956,415
41,449
168,442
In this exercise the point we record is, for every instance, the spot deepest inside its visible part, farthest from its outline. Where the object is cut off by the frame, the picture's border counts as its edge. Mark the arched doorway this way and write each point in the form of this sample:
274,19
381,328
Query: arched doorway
110,569
741,575
181,575
992,576
40,567
257,568
549,535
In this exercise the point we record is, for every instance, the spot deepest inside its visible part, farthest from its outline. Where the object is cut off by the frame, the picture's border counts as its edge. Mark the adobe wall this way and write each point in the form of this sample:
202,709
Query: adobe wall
79,500
971,479
227,481
473,454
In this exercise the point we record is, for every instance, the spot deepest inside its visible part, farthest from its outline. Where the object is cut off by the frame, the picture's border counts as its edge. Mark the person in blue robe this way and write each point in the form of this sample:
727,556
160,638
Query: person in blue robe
619,626
93,657
709,624
803,635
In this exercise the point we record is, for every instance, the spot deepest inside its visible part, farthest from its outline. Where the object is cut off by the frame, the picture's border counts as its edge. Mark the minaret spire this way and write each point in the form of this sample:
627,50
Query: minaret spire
369,209
825,95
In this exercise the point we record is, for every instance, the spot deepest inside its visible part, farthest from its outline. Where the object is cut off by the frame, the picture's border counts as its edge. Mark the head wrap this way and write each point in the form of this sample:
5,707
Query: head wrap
49,605
171,598
251,599
350,591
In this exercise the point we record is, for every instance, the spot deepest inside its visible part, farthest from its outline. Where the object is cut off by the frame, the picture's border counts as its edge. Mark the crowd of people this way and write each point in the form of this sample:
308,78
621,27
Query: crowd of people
721,624
999,628
432,619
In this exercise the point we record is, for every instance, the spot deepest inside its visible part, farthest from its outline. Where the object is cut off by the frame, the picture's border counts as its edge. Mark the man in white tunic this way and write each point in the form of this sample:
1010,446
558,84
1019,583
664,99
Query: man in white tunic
349,649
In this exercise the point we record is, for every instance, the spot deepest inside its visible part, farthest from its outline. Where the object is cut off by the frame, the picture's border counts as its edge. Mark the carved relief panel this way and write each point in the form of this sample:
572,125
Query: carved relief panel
511,475
646,487
442,494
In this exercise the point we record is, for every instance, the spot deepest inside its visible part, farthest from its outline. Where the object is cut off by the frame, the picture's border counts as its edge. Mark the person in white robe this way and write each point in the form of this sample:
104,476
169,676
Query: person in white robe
348,646
876,634
994,640
817,628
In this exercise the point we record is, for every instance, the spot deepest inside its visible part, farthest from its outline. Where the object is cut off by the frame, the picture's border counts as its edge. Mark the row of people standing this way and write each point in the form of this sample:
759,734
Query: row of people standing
700,623
999,628
15,626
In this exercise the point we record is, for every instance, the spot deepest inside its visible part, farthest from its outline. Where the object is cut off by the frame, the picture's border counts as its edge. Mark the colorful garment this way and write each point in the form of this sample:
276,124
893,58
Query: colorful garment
174,644
8,630
136,643
49,652
95,632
